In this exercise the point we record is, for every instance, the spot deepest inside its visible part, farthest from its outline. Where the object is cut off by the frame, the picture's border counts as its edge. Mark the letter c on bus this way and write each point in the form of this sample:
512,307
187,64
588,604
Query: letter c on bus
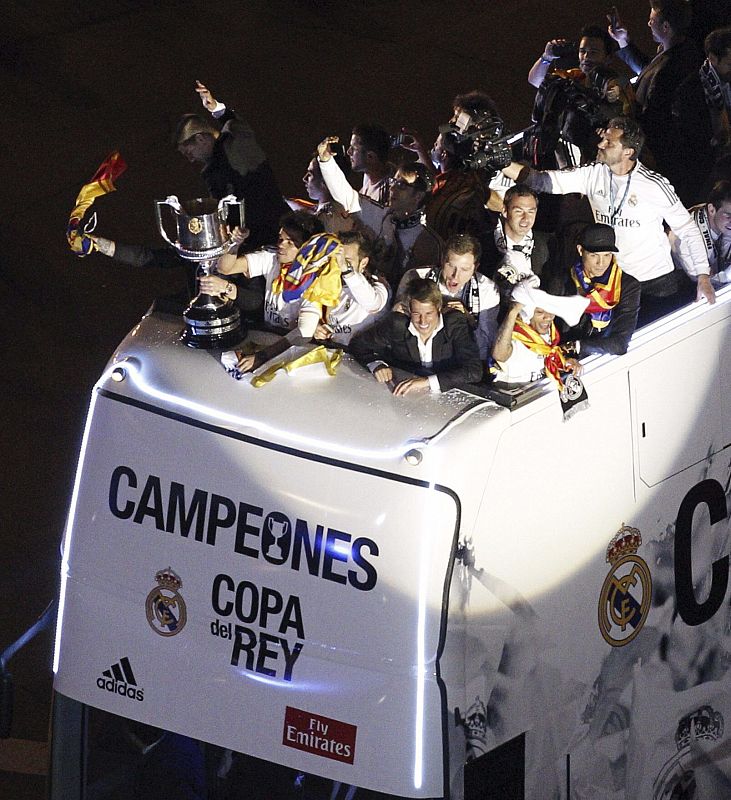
224,608
691,611
129,508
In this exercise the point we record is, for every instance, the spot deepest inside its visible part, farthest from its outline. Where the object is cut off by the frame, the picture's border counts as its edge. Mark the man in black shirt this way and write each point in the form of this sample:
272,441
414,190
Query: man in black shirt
233,163
614,296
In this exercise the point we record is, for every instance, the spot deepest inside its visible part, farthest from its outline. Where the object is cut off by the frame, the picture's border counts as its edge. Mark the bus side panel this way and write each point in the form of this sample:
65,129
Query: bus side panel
608,646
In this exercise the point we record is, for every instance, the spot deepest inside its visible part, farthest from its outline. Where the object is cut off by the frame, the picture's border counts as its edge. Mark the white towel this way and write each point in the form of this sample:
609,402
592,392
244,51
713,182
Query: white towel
568,308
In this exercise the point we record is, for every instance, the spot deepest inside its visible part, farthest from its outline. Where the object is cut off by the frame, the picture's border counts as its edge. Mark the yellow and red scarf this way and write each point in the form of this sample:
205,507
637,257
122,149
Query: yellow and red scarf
313,275
553,357
571,391
603,296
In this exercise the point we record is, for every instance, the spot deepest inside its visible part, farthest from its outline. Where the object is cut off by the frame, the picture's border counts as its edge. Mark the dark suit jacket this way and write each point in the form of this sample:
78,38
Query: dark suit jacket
238,166
693,132
456,358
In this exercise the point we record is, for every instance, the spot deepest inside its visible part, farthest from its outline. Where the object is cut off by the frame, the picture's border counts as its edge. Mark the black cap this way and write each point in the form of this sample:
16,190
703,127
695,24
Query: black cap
598,238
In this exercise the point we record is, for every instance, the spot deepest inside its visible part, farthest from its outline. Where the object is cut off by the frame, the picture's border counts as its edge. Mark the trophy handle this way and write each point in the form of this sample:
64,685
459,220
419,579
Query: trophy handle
173,202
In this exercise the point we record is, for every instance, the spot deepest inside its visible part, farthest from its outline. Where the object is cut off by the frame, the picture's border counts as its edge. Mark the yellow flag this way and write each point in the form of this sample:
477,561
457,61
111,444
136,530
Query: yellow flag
320,355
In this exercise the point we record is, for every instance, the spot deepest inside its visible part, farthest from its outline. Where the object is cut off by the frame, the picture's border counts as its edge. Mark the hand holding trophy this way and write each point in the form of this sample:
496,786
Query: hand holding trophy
203,236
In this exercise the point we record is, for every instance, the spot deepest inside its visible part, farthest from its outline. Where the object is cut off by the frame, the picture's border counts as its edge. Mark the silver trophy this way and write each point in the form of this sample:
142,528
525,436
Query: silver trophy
203,237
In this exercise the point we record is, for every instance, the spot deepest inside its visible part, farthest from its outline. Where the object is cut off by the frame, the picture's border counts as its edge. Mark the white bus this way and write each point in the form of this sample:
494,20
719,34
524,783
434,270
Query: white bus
325,586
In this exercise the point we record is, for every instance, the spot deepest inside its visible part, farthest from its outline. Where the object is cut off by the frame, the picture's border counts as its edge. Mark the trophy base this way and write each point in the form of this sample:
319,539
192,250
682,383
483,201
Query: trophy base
209,328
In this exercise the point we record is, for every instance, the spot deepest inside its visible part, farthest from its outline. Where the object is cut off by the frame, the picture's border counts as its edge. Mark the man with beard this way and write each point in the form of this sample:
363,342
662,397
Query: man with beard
572,103
636,202
596,52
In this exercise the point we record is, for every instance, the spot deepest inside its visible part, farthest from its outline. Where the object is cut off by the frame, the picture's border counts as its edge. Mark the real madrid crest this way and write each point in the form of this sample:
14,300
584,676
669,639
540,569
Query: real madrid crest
624,601
677,778
165,608
572,387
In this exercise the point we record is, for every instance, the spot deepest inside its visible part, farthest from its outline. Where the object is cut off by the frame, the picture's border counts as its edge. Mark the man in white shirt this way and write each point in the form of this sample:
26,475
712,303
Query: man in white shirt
400,224
368,153
515,250
523,358
635,201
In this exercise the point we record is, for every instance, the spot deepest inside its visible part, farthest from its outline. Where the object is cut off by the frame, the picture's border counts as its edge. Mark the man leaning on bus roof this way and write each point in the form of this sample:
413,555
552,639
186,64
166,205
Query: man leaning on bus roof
436,344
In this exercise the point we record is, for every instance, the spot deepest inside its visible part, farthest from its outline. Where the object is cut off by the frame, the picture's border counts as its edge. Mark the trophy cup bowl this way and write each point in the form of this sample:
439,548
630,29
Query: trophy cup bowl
203,237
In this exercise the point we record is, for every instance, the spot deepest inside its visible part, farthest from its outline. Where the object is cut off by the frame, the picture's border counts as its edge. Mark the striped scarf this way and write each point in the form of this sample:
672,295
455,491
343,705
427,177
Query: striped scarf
571,391
313,275
603,295
718,101
553,357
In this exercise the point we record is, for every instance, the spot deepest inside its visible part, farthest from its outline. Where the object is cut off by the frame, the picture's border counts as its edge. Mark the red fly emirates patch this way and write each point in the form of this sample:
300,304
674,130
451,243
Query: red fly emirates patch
320,735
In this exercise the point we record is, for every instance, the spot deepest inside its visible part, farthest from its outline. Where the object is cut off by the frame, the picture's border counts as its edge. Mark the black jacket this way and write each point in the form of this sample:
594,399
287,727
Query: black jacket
539,257
238,166
615,337
456,358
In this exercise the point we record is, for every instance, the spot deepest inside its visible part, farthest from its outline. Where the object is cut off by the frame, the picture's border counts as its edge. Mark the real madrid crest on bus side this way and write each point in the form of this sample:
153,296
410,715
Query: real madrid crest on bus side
624,601
165,608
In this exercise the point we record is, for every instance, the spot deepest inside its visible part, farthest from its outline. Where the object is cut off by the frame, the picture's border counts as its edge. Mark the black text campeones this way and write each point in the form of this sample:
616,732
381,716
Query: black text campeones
328,553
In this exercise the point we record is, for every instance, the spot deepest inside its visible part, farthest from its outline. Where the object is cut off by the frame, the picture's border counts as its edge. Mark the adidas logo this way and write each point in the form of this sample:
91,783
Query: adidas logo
120,679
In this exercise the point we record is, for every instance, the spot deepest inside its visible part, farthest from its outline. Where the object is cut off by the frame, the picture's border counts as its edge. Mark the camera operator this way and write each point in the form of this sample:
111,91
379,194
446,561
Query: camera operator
596,48
572,103
462,155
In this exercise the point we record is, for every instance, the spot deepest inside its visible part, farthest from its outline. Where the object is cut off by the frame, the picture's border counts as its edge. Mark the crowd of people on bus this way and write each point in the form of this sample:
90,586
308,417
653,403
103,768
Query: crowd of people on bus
473,260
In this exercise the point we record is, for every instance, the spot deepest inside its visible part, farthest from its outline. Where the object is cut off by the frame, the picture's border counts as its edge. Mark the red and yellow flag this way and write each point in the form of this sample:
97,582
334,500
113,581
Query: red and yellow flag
101,183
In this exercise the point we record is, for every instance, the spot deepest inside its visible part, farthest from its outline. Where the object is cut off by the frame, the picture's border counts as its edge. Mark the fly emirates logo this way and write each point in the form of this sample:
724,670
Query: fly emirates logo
320,735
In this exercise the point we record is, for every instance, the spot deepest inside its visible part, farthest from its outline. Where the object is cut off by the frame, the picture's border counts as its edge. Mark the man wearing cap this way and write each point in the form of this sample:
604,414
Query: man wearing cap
614,296
233,163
